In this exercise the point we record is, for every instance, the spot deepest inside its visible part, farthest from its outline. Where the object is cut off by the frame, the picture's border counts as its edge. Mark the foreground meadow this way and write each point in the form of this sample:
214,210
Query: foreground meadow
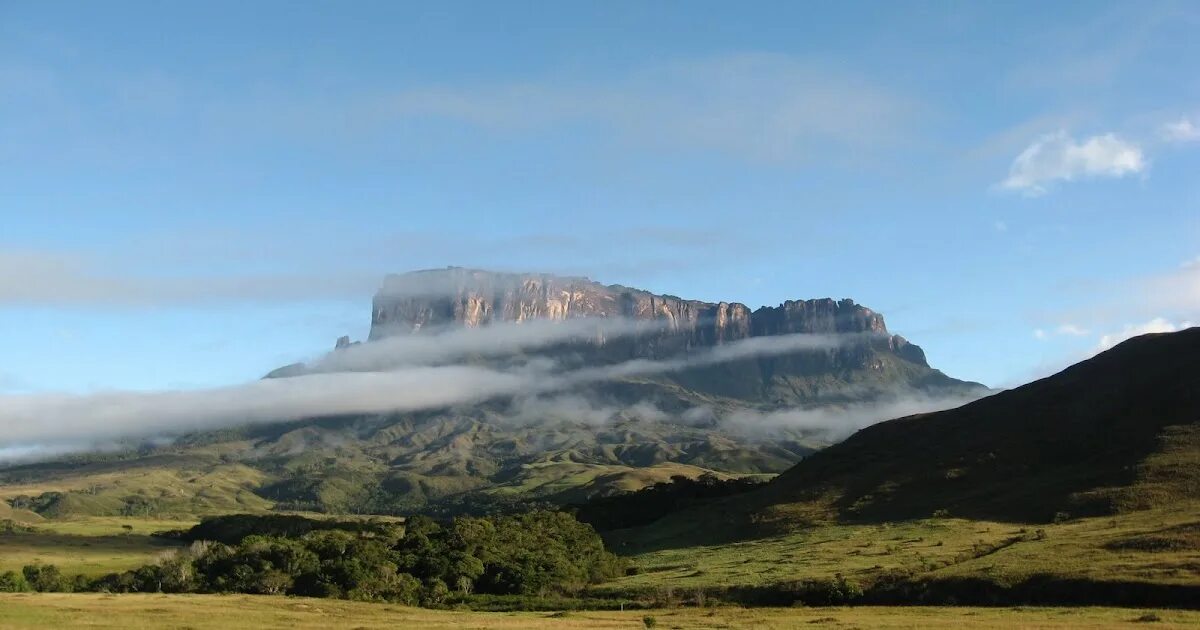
233,612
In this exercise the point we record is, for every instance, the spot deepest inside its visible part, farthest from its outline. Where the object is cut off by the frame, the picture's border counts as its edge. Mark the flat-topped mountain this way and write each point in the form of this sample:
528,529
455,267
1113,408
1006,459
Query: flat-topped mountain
869,361
730,391
470,297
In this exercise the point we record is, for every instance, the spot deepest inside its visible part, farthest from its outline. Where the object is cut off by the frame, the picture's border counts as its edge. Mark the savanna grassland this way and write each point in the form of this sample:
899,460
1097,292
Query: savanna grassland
1160,546
90,546
237,612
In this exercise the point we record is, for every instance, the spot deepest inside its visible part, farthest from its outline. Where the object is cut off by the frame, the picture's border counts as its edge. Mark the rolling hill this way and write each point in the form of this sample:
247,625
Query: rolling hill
1113,434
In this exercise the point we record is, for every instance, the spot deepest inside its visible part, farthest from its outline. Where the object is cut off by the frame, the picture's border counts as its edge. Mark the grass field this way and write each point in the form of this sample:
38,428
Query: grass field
1160,546
90,546
39,610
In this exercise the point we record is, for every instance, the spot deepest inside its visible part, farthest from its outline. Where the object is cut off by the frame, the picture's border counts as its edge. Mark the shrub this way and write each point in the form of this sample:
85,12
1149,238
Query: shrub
435,593
45,578
649,621
13,582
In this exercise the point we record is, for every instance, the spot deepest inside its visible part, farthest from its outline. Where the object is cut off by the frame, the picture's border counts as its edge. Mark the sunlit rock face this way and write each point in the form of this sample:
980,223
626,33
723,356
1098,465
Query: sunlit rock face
435,299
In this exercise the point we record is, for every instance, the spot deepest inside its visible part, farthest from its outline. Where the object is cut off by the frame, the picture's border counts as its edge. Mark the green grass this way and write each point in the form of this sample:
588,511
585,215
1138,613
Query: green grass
180,487
572,480
1159,546
90,546
242,612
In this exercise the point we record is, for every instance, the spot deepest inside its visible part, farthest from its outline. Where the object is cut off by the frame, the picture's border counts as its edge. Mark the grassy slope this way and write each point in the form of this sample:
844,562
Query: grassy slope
238,612
180,486
1159,546
571,480
1119,431
1115,434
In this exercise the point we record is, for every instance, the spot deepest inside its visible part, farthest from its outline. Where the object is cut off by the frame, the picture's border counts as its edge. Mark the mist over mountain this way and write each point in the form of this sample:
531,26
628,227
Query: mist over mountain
526,385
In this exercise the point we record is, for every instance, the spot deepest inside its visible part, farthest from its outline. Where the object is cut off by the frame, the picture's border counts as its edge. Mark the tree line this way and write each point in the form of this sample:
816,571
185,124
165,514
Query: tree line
421,562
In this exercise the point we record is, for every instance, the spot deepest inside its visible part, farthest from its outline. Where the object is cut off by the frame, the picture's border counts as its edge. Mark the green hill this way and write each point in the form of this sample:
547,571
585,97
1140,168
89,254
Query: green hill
1116,433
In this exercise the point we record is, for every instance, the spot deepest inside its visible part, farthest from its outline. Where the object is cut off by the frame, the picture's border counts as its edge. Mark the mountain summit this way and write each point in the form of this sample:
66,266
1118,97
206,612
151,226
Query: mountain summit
434,300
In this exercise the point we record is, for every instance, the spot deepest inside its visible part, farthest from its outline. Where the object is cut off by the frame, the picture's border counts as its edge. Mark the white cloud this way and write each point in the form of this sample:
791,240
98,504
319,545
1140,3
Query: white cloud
1058,157
1182,130
1156,325
1066,330
1071,330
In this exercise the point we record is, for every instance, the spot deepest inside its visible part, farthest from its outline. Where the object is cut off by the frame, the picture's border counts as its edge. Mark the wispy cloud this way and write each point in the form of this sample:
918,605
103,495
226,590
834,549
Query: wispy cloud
1058,157
169,270
1068,330
836,423
456,344
1180,131
761,106
59,280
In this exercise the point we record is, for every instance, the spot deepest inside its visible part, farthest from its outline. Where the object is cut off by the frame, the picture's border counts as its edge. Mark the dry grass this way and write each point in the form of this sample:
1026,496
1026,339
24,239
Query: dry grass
237,612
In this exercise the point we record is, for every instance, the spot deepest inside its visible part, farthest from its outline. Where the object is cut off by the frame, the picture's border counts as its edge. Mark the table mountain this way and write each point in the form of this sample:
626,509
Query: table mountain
750,413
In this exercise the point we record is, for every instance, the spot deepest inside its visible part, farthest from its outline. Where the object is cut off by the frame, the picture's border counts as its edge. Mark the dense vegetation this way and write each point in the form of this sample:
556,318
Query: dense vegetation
233,528
421,562
632,509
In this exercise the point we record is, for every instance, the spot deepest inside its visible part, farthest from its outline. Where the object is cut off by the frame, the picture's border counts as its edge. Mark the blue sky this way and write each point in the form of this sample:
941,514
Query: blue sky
191,195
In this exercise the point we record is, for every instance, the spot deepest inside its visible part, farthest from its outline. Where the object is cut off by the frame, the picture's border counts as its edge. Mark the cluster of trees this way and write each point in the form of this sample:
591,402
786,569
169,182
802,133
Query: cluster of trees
233,528
633,509
423,562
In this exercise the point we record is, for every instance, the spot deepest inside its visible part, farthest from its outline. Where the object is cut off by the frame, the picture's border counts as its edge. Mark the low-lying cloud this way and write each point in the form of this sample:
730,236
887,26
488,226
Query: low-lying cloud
52,422
835,423
502,338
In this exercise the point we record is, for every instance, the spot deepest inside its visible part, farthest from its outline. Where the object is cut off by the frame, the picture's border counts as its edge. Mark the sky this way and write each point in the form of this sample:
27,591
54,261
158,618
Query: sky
193,194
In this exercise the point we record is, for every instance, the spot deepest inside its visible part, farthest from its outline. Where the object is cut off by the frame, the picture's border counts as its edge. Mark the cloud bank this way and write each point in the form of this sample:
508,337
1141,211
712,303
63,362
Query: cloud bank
53,422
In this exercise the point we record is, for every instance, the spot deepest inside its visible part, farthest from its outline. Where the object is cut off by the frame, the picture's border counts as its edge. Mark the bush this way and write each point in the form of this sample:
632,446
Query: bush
46,578
13,582
435,593
649,621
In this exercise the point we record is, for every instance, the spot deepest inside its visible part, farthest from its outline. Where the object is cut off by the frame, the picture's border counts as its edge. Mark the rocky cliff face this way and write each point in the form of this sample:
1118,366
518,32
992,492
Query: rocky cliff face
423,300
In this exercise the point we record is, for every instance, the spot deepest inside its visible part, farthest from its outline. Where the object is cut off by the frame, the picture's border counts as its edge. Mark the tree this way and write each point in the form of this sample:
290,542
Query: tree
45,578
13,582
